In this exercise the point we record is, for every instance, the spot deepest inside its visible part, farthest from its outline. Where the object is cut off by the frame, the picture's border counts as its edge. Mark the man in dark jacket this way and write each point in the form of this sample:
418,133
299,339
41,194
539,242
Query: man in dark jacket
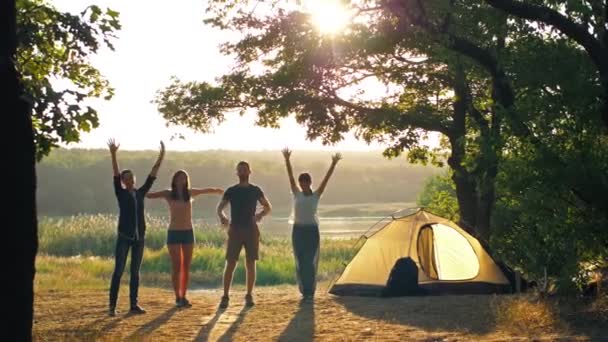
131,226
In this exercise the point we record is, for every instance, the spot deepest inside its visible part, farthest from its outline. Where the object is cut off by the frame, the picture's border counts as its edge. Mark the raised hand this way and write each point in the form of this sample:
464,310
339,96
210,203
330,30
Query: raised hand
334,161
336,158
159,160
113,145
161,155
286,153
292,181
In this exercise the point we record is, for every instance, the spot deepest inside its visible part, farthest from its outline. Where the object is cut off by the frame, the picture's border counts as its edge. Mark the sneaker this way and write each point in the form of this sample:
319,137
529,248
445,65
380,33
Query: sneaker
137,310
112,312
224,302
184,303
249,301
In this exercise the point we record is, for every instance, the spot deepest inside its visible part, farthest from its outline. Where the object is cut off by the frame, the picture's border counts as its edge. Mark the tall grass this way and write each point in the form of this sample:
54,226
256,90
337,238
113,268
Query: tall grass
81,248
95,235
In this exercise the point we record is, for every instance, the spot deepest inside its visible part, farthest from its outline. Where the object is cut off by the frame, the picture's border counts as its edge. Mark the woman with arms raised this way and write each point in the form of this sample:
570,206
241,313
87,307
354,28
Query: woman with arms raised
305,233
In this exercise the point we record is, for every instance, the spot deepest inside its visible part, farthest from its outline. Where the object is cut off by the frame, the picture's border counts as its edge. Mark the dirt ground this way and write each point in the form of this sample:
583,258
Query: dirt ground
279,315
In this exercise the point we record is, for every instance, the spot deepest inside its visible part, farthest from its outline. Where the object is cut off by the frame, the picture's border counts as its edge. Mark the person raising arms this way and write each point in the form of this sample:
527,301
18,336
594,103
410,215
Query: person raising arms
305,232
131,226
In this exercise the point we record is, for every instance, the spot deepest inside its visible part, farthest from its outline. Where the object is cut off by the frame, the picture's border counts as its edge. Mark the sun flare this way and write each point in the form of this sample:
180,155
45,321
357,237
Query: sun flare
329,16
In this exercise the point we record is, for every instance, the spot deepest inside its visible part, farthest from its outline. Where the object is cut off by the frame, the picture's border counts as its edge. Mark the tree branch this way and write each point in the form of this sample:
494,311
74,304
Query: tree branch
575,31
407,61
427,125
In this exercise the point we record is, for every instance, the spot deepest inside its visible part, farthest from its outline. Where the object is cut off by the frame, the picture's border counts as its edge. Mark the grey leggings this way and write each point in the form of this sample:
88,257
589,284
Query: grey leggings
305,239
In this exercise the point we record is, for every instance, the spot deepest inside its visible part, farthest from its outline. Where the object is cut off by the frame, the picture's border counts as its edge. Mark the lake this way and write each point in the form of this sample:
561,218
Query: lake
330,227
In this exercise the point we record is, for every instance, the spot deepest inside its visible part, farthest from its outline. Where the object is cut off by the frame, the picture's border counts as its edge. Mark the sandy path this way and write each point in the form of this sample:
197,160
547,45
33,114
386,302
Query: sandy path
278,315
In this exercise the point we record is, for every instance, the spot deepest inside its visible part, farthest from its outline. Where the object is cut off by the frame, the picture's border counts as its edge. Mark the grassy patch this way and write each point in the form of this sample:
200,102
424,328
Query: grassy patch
78,252
528,314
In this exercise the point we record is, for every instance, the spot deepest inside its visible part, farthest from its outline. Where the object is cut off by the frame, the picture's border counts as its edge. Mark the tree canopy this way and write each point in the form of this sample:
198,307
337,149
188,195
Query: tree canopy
54,50
517,91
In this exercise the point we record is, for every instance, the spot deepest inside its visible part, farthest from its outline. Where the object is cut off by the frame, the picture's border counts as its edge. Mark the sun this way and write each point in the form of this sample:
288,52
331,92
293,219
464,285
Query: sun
329,16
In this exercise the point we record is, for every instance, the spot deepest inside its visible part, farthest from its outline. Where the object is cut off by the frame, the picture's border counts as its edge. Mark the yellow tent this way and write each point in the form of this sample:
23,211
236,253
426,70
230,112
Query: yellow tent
449,260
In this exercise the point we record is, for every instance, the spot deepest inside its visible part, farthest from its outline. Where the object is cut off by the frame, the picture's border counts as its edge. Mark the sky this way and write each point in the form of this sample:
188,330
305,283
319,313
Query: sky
161,39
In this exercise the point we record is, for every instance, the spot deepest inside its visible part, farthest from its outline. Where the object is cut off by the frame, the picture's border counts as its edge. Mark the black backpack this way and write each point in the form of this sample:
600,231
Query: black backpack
403,279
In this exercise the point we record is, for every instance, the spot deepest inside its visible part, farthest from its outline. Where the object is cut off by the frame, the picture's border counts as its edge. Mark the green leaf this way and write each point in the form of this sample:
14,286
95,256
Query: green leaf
55,45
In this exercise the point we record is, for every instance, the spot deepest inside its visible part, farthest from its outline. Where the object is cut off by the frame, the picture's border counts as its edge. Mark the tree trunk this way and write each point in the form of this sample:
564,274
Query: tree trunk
20,229
604,108
465,194
485,205
466,184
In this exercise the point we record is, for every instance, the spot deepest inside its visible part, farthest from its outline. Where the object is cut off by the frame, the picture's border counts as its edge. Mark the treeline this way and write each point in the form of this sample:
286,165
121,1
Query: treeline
79,181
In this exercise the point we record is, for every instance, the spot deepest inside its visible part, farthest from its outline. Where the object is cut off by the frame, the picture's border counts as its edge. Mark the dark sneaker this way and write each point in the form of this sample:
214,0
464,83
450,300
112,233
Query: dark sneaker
224,302
137,310
112,312
249,301
184,303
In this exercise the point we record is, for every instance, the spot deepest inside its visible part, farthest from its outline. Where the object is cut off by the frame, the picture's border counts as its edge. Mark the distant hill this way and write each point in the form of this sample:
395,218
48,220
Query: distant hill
80,181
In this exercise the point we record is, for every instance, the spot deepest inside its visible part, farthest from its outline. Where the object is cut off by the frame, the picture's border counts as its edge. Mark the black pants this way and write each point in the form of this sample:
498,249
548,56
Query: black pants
305,239
122,250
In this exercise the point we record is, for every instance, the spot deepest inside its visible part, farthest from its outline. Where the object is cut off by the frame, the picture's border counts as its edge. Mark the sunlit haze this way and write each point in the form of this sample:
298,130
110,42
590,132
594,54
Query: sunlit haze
328,15
158,41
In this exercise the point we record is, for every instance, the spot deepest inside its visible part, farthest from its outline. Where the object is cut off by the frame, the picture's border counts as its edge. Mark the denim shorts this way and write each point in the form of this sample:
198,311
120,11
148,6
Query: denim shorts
175,236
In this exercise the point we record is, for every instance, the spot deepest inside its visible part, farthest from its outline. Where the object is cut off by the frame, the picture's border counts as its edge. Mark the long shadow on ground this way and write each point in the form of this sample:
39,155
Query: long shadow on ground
227,336
302,325
203,334
470,314
153,324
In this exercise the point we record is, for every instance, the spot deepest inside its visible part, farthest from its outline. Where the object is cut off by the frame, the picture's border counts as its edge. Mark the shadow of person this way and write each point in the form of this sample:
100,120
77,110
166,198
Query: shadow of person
458,313
153,324
99,326
203,334
302,324
227,336
110,323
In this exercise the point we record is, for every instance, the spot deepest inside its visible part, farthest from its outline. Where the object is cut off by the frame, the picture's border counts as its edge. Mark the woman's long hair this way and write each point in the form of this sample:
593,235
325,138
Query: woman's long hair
185,190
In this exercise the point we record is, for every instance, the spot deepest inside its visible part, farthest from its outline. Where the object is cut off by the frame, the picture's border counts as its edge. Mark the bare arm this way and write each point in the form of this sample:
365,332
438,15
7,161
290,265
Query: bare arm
152,176
159,160
197,191
267,208
220,211
158,194
334,161
292,181
113,149
115,170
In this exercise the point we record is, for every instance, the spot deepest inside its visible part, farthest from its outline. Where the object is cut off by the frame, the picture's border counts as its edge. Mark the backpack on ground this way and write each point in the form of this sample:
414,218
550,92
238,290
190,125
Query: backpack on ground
403,279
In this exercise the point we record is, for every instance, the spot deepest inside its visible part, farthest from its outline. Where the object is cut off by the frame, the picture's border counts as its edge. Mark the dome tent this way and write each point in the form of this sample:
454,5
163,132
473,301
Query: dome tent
449,260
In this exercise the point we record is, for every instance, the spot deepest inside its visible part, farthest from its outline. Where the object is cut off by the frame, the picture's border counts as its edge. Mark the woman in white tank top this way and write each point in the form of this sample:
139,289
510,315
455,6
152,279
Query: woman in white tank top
305,234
